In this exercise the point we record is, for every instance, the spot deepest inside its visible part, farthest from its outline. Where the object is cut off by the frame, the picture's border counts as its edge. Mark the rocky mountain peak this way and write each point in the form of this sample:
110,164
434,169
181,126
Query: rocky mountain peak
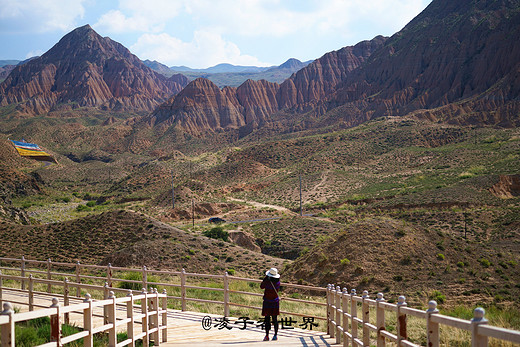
85,69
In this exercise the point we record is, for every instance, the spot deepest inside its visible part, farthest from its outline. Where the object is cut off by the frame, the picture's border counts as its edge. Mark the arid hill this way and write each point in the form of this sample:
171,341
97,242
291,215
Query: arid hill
85,69
126,238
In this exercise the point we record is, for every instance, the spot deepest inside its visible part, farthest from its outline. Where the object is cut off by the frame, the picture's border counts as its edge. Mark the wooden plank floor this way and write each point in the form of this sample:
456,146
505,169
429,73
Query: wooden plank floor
185,328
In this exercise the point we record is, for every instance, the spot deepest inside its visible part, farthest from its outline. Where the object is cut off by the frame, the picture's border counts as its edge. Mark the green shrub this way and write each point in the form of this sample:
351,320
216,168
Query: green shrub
345,261
217,233
440,256
437,296
82,208
91,203
484,262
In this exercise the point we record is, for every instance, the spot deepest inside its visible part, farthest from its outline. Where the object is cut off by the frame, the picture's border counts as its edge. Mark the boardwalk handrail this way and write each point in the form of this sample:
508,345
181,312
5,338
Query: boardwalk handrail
344,323
77,277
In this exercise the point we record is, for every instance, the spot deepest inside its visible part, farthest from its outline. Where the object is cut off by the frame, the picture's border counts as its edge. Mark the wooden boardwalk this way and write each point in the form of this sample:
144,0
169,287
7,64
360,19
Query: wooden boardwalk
185,328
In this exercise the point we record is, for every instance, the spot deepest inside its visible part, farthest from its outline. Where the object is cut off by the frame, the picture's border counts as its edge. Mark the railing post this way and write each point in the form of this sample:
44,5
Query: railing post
66,298
226,295
87,322
165,316
478,319
55,323
145,278
365,311
112,335
22,271
7,331
31,293
329,308
401,320
49,263
144,322
344,307
109,275
380,320
432,328
1,285
183,290
155,318
353,314
338,314
130,314
105,308
332,312
78,279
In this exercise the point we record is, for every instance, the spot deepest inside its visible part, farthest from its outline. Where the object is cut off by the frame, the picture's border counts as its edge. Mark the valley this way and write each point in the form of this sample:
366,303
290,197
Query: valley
404,152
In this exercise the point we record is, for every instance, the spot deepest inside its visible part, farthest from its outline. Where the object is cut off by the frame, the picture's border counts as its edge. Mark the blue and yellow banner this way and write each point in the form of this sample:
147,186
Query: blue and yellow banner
32,150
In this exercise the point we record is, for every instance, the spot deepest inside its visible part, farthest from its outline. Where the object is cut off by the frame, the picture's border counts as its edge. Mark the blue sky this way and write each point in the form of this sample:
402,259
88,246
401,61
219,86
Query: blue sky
203,33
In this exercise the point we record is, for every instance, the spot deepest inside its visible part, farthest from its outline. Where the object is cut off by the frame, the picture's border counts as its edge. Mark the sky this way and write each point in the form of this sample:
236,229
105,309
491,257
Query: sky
204,33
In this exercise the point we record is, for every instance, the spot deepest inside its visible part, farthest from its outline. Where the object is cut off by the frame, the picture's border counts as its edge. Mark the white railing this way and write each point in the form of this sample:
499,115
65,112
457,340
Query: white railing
152,317
344,323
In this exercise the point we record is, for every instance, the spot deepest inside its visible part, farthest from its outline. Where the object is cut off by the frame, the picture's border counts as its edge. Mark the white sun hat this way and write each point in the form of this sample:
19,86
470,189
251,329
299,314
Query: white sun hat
273,272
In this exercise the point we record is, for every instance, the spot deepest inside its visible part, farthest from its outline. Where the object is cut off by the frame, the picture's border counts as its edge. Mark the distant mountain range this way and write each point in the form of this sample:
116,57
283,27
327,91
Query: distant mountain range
233,75
456,62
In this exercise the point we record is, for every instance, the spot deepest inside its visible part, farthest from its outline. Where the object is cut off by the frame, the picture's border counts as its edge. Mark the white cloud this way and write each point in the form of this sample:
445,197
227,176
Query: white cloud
206,49
41,15
139,16
35,53
275,18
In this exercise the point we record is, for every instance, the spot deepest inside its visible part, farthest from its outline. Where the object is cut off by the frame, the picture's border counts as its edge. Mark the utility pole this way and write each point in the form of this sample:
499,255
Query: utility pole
192,213
173,193
465,224
301,209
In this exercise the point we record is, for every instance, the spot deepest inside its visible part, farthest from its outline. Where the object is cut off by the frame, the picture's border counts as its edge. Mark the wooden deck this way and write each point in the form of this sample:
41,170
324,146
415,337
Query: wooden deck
185,328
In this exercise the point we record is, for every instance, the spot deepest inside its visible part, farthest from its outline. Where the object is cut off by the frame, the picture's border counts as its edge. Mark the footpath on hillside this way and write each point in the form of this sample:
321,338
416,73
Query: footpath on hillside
185,328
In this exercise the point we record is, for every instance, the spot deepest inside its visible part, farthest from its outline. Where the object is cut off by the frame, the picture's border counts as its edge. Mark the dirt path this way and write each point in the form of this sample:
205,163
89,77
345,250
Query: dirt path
260,205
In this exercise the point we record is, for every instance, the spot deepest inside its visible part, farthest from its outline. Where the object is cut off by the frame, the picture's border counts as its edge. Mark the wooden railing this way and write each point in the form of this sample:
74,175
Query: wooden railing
78,276
344,323
152,316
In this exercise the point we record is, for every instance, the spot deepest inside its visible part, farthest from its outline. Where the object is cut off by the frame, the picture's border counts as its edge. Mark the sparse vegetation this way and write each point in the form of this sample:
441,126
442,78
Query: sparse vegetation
217,233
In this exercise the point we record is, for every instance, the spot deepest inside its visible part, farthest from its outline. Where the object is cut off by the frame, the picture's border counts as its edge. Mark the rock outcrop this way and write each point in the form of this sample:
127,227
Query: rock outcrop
507,187
85,69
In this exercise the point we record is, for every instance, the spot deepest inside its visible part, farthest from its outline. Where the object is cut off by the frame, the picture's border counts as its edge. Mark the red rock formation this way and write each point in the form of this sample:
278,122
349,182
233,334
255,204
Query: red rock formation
455,55
258,100
319,79
85,69
200,107
5,71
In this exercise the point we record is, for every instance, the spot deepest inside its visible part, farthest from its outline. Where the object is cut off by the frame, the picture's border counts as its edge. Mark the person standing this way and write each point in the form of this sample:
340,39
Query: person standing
271,304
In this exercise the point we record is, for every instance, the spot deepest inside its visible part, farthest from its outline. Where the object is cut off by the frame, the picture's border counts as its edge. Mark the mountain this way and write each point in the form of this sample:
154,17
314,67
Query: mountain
8,62
202,107
455,62
221,68
158,67
5,71
86,70
227,75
